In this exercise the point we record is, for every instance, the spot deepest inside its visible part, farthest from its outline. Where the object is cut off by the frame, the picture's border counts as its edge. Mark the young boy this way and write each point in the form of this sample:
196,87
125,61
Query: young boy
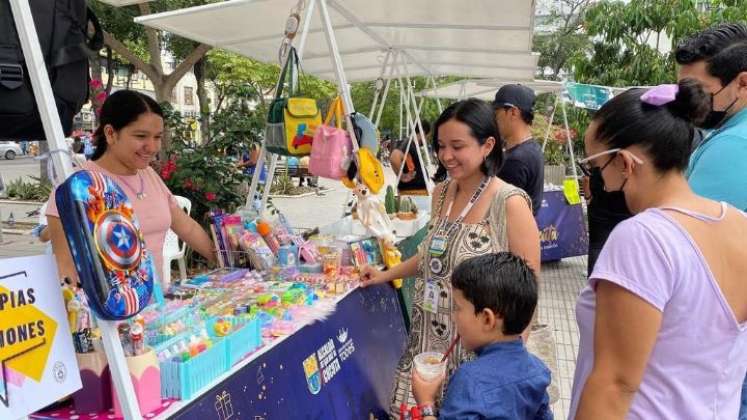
494,299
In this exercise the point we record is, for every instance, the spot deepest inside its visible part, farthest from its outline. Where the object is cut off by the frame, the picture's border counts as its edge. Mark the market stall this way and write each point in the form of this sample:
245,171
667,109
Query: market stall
282,321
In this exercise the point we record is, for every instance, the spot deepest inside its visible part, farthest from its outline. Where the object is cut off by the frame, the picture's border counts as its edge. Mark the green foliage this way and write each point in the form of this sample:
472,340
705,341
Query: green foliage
363,94
36,190
556,48
203,173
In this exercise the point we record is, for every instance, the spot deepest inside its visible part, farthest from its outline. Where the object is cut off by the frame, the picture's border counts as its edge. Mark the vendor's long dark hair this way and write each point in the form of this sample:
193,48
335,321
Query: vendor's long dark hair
121,109
480,118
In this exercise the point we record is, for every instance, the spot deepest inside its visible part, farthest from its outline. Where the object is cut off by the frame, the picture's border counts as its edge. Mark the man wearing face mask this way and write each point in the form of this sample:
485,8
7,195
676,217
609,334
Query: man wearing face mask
717,58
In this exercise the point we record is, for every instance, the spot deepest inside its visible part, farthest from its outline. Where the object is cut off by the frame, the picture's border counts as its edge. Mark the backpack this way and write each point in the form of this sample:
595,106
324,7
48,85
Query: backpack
62,27
292,119
365,130
332,148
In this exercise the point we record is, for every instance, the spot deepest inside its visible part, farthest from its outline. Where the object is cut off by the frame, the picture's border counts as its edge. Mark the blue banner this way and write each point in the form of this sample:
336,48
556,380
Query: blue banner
340,368
562,228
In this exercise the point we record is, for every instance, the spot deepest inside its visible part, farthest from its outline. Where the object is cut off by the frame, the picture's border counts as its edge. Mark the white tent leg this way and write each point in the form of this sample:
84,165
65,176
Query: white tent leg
401,108
258,168
427,162
378,92
268,181
570,141
53,131
386,90
438,100
549,123
413,133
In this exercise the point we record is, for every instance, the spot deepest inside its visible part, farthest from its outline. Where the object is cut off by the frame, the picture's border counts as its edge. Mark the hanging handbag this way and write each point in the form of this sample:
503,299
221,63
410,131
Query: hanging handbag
292,120
365,130
114,266
332,148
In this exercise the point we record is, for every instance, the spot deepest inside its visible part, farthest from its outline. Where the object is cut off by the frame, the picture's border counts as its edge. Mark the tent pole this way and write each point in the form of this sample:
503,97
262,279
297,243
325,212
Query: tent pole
377,94
438,99
427,162
339,70
570,141
54,134
549,123
401,108
261,159
386,91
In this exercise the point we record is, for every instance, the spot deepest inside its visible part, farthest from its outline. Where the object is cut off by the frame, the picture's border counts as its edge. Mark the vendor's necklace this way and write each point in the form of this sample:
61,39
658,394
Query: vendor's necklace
139,194
440,240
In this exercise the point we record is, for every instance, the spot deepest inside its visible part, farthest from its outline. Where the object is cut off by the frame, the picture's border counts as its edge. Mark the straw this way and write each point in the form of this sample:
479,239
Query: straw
451,348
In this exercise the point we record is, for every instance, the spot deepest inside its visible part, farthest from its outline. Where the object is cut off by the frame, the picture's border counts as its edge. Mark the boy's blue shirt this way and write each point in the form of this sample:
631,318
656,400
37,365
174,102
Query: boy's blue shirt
505,381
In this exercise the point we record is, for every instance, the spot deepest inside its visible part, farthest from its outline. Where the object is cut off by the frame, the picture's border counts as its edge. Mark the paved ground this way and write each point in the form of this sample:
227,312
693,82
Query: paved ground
560,284
20,167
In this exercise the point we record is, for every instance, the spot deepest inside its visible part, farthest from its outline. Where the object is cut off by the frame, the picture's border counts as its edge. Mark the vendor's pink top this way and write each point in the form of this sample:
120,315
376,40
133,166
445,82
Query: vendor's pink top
153,212
699,359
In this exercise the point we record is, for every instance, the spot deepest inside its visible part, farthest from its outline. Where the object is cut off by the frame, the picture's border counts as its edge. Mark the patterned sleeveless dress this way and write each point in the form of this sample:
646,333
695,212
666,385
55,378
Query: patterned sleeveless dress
435,331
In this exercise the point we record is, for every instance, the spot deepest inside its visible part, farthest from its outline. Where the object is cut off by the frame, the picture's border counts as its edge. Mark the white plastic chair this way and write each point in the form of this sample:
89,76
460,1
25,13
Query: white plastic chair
171,248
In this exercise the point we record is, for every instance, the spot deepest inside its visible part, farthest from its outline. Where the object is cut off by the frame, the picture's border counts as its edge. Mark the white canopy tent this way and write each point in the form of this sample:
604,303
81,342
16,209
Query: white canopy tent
485,88
473,38
476,38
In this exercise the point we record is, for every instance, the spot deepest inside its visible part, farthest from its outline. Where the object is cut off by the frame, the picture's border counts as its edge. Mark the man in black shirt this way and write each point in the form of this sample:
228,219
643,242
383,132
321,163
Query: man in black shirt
524,164
413,178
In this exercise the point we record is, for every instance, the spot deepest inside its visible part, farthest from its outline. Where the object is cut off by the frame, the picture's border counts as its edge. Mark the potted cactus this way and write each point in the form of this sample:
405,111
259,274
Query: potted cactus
407,209
390,202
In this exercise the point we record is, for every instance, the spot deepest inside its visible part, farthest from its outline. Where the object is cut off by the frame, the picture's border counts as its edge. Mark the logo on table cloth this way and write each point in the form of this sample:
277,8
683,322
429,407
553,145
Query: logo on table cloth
322,366
313,376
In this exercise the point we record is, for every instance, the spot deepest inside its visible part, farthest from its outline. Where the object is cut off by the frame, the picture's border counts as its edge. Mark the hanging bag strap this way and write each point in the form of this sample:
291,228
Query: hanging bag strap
335,111
287,72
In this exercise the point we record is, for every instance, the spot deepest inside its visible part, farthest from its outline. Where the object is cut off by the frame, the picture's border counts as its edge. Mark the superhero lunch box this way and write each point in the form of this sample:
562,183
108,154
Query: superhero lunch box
114,267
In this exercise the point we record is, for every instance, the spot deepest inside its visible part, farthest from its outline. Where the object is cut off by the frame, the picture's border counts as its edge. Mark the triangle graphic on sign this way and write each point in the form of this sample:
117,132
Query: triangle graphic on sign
4,391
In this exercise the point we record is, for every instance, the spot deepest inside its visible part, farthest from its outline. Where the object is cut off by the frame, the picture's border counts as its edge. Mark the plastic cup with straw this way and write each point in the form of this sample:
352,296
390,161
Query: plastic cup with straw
432,364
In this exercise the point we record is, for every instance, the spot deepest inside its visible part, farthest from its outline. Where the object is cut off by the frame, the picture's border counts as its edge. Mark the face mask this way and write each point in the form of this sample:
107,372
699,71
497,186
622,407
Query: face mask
613,201
715,118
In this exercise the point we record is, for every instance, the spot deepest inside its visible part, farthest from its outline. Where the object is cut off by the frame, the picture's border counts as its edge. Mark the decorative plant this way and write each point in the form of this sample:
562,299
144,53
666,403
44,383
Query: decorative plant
390,202
36,190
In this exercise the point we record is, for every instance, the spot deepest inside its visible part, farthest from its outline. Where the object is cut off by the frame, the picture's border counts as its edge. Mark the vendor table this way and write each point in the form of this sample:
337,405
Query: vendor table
340,368
562,228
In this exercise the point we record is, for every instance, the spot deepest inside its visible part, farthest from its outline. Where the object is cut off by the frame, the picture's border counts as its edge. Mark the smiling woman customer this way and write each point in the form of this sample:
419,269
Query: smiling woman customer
127,140
474,213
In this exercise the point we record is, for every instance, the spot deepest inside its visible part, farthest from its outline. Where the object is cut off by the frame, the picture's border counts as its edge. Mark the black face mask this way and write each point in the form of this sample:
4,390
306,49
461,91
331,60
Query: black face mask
715,118
611,201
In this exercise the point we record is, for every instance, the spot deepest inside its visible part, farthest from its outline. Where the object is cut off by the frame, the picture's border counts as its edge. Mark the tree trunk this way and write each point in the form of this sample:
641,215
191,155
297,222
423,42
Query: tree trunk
109,71
130,71
43,148
203,100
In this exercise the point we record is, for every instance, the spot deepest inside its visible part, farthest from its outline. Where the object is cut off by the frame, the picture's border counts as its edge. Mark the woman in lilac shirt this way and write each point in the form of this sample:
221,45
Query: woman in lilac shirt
662,320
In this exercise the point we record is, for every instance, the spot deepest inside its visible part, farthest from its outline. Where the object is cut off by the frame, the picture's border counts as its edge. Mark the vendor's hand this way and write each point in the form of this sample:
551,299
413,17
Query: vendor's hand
425,392
372,275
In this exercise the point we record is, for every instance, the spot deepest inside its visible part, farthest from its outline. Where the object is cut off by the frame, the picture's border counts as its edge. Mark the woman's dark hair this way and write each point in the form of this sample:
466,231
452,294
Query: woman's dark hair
121,109
479,116
665,132
501,282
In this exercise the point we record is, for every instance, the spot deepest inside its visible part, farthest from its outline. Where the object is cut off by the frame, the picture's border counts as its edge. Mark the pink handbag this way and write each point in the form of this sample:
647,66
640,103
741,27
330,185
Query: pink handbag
331,151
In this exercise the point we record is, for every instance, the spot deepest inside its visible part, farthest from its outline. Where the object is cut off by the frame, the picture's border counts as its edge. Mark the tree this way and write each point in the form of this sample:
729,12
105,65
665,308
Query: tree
557,46
630,38
125,38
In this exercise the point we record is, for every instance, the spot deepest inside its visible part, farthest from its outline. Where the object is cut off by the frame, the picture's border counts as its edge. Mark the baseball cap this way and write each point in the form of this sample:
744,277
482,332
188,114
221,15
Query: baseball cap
515,95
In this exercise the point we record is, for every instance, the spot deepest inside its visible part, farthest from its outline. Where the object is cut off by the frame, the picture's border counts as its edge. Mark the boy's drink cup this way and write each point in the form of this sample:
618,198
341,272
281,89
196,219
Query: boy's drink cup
429,365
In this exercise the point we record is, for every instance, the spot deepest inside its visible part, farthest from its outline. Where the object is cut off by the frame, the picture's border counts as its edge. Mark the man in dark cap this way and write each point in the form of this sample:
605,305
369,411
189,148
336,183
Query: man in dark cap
524,164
